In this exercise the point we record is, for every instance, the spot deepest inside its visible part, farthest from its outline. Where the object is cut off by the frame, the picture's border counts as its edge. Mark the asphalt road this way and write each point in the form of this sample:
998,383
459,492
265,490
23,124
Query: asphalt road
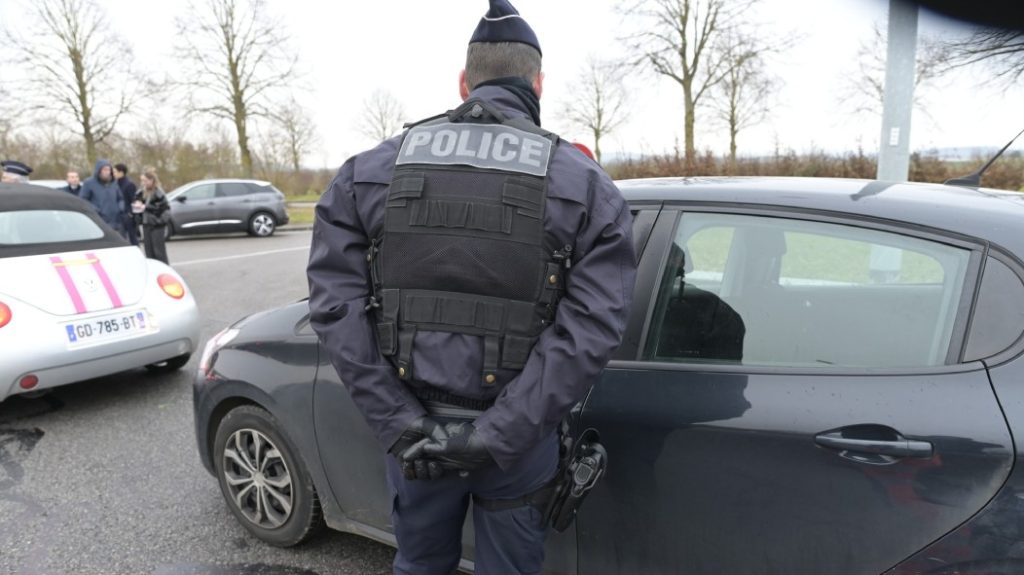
102,477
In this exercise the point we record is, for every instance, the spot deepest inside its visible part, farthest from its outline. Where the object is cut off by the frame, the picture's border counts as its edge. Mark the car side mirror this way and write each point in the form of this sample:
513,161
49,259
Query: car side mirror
181,199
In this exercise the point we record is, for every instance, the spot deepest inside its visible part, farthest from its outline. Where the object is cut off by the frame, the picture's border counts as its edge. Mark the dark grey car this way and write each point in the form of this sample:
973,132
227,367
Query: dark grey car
212,206
819,376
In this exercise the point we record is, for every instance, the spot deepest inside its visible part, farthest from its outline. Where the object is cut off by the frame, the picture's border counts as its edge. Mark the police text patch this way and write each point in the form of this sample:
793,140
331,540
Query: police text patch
491,146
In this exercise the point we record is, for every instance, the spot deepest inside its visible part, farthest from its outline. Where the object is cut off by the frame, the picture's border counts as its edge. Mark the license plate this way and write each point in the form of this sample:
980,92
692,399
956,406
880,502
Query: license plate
107,328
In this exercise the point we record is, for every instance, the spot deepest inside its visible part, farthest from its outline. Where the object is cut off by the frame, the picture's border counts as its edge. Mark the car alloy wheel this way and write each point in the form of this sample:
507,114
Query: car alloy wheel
258,478
262,224
263,479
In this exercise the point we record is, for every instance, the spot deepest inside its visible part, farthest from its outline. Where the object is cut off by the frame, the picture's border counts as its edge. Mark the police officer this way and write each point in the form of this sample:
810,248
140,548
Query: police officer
14,172
469,280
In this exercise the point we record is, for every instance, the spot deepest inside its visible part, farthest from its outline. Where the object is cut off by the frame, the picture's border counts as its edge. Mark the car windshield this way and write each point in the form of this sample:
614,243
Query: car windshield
25,227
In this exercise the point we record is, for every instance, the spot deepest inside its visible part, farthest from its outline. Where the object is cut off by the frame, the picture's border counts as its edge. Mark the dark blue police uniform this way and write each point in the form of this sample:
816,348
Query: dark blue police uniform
520,403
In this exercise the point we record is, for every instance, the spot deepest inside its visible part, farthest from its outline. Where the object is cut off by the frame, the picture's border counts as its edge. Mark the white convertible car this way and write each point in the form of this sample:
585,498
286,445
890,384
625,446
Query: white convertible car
77,301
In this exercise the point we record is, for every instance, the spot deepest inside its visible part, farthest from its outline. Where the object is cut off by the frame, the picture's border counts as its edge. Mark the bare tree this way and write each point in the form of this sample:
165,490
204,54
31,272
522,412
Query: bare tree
676,40
236,63
865,88
598,104
743,97
1001,50
78,70
382,117
297,131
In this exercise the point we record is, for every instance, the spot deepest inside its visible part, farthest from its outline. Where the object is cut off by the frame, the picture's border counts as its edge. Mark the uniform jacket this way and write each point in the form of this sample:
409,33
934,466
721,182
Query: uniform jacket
584,209
105,197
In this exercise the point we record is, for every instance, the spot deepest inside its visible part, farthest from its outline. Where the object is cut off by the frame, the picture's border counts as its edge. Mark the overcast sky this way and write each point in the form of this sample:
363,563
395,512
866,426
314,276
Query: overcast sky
415,49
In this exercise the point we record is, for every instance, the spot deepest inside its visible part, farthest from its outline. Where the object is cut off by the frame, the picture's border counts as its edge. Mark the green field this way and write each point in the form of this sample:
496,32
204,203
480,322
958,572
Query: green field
817,257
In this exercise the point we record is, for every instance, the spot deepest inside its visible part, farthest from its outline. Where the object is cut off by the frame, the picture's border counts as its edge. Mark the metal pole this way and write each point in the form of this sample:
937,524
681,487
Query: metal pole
898,101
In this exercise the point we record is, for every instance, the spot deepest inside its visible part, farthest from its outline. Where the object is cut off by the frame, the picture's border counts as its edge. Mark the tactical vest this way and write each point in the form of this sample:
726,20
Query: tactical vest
463,248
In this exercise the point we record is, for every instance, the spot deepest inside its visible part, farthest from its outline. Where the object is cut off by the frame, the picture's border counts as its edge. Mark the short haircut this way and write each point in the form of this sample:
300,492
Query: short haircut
121,168
491,60
16,178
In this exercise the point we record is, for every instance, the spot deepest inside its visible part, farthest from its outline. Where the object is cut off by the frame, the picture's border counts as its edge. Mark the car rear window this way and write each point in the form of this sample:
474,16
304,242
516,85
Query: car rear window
27,227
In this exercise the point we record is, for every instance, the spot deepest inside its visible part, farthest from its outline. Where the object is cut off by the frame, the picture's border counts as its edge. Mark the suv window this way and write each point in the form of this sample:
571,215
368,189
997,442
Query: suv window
781,292
233,189
201,192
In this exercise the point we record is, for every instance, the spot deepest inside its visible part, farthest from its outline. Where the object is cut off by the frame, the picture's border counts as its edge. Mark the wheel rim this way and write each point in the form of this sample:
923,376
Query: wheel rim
258,479
263,225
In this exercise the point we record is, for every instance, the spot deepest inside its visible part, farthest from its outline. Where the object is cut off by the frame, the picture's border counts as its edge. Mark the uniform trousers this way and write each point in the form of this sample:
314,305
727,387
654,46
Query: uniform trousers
428,515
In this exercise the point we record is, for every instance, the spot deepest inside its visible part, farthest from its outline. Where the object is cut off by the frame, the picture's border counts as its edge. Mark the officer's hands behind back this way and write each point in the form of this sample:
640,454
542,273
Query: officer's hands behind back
462,449
419,432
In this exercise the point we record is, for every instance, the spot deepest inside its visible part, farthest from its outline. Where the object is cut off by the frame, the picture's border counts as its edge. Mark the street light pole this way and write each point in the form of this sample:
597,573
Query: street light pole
898,98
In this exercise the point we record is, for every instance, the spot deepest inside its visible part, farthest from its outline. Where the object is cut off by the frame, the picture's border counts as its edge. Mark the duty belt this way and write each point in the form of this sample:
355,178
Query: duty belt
429,393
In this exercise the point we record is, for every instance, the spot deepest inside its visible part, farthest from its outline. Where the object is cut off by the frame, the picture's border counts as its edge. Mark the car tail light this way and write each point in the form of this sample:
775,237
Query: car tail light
5,314
171,285
28,382
216,342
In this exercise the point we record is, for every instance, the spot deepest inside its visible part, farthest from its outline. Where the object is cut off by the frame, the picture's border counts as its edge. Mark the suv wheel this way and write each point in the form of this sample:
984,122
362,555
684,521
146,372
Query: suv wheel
263,480
262,224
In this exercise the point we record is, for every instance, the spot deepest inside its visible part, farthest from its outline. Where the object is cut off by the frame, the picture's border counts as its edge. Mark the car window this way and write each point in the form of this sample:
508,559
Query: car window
201,192
233,189
999,314
46,226
770,291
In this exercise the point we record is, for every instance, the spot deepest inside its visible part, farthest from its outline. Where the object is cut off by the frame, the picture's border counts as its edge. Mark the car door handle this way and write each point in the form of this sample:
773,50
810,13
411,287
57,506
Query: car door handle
900,447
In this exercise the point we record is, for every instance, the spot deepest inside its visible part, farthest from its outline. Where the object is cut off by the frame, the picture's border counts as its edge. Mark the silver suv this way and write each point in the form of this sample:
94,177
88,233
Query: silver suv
211,206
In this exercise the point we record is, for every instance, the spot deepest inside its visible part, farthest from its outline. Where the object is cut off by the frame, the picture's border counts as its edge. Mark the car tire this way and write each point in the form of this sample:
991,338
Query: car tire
262,224
263,480
173,364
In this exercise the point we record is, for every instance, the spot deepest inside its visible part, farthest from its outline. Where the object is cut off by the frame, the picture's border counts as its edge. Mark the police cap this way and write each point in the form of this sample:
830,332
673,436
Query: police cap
502,23
16,167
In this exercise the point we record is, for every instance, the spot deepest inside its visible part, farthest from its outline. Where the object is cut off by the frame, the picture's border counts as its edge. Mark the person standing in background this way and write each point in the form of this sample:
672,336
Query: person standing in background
14,172
154,216
128,190
102,192
74,186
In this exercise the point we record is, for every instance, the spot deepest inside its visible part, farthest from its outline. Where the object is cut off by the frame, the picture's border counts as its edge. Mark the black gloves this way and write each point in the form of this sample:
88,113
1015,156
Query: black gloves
419,432
461,449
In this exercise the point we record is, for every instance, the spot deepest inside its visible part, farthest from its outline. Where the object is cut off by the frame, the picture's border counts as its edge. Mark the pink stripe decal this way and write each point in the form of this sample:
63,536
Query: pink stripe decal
105,280
69,284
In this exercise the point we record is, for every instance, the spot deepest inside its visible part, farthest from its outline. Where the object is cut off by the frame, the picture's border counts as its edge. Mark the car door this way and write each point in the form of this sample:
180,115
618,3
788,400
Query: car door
234,204
195,210
790,400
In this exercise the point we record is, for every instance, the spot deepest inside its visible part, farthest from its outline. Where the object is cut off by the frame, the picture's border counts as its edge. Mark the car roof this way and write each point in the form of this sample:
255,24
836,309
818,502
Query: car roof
35,197
49,183
21,197
992,215
229,181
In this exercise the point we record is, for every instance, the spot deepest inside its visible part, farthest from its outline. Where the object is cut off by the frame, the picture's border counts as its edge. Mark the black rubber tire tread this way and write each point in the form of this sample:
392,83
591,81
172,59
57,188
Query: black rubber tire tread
307,518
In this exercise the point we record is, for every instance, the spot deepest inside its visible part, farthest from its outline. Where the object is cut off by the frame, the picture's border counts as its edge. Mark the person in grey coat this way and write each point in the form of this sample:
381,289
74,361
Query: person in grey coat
407,240
102,191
